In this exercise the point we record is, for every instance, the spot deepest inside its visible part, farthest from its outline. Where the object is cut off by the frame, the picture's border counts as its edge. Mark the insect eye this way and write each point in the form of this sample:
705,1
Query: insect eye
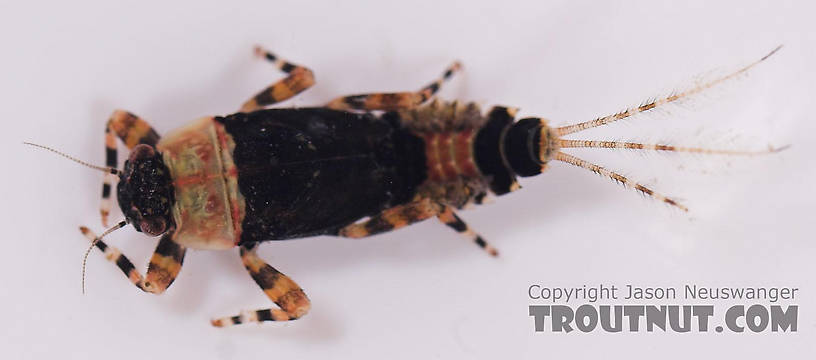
153,226
141,151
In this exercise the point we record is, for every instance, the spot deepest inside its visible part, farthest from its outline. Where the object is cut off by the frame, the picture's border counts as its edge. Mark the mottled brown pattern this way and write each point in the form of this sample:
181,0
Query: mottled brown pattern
207,205
456,193
442,116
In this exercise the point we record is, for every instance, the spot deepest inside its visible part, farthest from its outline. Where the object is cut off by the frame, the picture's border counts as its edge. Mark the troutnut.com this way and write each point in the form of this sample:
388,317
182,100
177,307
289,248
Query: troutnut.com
749,309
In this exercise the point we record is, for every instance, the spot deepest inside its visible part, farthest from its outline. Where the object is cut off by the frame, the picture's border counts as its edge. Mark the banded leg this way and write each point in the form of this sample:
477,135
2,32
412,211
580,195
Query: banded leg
165,263
448,217
133,131
300,78
393,101
392,219
284,292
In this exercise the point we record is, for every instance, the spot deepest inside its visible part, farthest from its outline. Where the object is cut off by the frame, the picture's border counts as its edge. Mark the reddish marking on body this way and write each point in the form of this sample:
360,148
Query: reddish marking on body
446,159
464,153
212,203
432,157
194,179
204,153
231,172
450,155
204,188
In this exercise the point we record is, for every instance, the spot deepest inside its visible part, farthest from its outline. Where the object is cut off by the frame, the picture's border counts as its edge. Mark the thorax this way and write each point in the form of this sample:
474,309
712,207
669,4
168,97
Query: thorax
208,207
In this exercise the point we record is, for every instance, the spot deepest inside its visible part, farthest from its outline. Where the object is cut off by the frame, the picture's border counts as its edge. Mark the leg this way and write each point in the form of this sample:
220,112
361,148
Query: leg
165,263
393,101
133,131
392,219
299,79
278,287
449,218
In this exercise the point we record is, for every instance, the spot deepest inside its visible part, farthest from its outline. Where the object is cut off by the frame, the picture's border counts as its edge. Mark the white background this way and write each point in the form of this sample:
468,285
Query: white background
420,292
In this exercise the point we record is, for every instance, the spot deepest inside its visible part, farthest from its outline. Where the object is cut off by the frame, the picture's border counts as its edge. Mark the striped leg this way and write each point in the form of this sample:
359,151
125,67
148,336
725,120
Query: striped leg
284,292
133,131
393,101
300,78
165,263
392,219
449,218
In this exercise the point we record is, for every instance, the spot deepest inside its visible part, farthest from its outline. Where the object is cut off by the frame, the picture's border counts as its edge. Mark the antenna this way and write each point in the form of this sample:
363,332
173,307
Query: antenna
96,239
100,168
